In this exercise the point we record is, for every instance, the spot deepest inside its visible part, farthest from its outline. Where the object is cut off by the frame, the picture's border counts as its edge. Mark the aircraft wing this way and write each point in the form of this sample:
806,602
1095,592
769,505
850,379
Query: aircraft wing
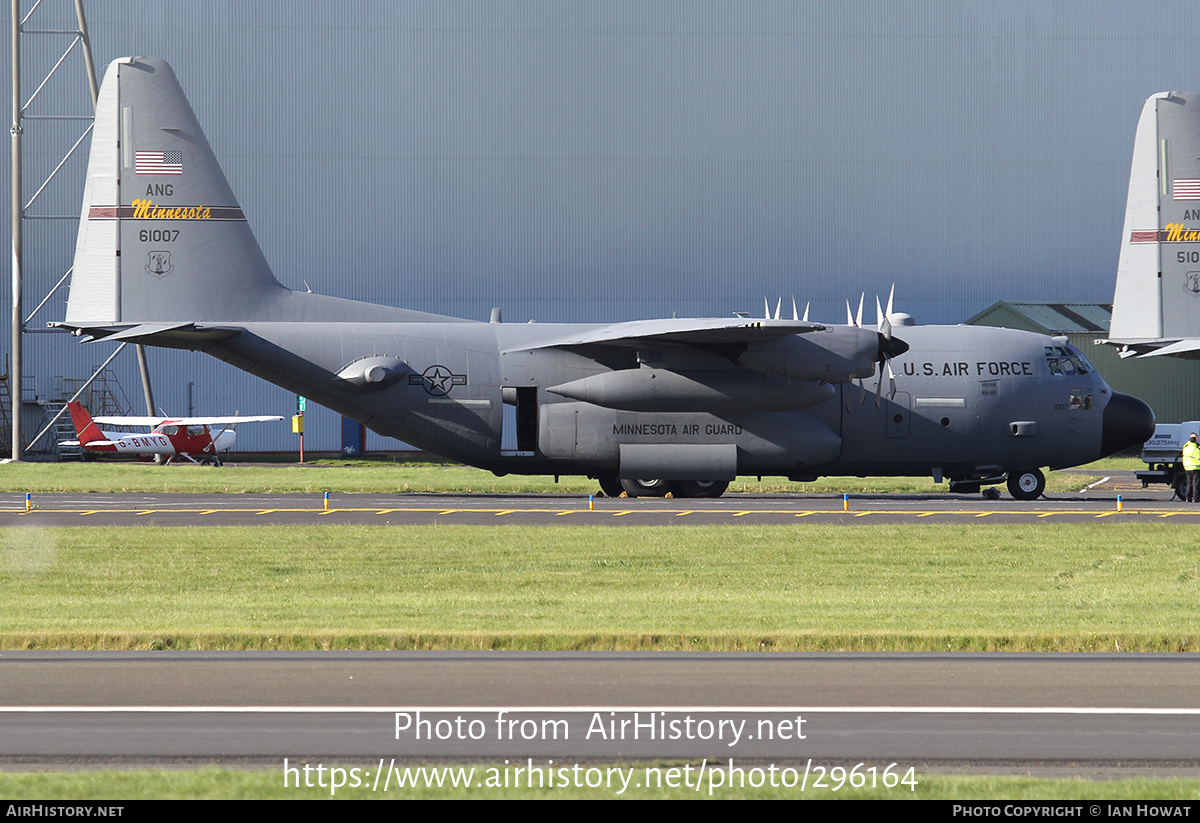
683,331
225,421
185,421
91,444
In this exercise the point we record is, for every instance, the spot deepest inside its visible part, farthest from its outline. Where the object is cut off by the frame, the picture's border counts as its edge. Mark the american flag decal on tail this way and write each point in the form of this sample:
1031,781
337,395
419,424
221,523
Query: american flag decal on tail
1186,188
162,162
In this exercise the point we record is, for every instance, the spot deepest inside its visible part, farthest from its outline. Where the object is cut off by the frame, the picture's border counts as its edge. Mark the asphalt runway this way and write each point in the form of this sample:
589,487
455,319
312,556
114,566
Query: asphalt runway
1093,711
1118,497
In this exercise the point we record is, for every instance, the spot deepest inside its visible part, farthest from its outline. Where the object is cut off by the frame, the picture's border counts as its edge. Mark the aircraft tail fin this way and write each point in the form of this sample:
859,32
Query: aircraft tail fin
1158,276
85,427
161,235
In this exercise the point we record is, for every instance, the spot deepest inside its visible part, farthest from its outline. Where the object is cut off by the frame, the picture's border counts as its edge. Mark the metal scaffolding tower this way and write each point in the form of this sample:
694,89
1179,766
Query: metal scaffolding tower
24,26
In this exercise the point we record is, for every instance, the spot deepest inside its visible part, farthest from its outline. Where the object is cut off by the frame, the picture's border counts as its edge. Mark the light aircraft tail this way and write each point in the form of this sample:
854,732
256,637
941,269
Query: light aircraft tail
85,427
1158,277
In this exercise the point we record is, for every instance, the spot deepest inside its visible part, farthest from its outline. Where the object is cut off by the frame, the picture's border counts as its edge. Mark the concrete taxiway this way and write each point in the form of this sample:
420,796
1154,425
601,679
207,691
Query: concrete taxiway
907,708
1119,497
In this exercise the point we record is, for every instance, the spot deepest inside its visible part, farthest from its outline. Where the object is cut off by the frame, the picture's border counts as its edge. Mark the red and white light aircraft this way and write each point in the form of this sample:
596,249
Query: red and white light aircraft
190,437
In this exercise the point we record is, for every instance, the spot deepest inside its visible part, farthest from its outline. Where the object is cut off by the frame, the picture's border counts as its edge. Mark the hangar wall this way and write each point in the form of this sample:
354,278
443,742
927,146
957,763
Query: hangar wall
586,161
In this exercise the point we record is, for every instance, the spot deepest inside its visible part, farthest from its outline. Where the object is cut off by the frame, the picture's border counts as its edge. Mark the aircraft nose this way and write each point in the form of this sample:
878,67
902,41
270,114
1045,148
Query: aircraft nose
1128,422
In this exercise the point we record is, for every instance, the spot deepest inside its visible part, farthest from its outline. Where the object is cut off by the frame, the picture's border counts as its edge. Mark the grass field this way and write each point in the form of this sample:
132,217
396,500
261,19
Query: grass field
925,587
215,783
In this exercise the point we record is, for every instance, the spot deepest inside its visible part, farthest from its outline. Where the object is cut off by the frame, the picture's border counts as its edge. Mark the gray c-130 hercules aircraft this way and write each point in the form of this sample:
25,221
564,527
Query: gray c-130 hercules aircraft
165,257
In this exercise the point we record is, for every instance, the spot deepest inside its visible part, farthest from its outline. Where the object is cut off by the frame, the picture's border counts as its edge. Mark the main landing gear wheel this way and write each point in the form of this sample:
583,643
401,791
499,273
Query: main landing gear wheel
610,485
701,488
646,488
1027,484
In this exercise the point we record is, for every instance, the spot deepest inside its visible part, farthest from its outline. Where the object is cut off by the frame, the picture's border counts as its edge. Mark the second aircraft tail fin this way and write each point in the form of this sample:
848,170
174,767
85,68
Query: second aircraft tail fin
85,427
1158,276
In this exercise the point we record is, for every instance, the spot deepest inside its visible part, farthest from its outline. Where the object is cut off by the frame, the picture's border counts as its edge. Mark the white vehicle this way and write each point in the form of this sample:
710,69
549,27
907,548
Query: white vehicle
1164,453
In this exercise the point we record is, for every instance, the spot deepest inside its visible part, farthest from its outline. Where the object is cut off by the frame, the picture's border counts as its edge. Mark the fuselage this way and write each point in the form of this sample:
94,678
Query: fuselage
962,401
167,440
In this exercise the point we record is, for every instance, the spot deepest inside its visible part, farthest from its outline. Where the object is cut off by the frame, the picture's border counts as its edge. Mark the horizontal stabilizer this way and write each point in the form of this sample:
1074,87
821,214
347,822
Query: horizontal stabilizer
156,333
1188,349
1181,348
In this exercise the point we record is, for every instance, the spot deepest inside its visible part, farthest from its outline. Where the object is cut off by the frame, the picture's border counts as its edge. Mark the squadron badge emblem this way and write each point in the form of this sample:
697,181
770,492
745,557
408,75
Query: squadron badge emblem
158,263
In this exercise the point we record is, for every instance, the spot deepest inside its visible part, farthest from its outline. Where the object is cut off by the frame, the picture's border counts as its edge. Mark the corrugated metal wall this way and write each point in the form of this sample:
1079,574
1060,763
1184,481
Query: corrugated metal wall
616,160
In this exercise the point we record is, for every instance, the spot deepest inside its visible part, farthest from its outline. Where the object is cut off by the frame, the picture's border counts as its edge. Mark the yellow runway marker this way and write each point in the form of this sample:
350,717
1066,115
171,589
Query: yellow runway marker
1187,513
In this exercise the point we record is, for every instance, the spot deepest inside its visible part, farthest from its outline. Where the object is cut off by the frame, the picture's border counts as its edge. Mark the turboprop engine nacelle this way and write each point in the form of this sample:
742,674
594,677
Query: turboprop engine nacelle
838,354
711,390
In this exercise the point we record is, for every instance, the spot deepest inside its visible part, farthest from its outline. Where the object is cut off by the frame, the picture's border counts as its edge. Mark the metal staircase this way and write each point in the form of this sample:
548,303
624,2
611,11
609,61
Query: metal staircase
64,430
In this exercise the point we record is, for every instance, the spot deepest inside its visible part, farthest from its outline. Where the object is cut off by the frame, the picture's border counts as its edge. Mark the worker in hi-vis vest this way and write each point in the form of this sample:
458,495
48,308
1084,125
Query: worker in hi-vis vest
1191,465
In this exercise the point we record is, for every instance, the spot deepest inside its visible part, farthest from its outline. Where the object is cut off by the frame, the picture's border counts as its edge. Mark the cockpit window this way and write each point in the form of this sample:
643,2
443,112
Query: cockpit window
1064,361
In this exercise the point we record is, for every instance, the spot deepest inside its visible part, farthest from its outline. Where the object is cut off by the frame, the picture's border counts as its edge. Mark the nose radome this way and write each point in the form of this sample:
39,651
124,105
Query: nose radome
1128,422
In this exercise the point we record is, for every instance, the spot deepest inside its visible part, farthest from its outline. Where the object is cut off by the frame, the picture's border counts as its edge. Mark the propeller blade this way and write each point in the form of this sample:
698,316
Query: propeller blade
795,314
806,305
778,306
766,309
858,317
891,296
